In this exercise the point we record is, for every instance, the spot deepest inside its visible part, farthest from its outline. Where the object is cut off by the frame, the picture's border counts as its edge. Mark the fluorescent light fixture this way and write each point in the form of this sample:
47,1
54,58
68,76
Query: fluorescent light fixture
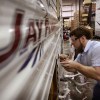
41,5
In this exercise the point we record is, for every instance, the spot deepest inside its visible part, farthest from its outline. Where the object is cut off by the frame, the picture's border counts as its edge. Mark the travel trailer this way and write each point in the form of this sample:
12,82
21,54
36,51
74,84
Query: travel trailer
30,41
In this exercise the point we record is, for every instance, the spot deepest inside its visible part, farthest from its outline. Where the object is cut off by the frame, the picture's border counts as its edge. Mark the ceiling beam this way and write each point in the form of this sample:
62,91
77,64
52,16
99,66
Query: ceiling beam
67,5
68,11
68,16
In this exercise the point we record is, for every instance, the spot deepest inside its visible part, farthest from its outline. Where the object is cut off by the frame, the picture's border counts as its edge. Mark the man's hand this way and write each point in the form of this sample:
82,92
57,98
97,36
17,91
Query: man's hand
70,65
63,57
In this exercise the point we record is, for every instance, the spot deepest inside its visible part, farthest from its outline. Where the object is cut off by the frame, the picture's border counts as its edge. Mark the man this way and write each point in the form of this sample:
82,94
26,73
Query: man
88,59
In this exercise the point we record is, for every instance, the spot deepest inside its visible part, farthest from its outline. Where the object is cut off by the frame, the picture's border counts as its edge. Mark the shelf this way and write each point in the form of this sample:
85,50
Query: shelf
84,15
85,19
87,2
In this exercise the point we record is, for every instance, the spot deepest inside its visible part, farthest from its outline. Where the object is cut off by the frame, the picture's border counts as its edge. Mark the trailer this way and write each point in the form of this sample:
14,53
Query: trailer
30,41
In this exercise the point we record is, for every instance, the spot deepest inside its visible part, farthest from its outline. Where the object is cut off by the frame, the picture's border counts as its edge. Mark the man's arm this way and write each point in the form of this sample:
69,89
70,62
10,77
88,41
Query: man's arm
88,71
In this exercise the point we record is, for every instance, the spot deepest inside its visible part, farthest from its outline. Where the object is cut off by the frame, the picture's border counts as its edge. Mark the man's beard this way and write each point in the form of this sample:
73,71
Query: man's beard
79,49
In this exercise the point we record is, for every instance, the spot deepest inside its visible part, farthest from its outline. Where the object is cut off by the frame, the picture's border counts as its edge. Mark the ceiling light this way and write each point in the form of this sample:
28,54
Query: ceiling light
41,4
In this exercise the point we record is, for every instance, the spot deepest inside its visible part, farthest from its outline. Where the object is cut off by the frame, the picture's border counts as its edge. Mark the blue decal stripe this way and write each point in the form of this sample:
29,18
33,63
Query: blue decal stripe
27,60
34,61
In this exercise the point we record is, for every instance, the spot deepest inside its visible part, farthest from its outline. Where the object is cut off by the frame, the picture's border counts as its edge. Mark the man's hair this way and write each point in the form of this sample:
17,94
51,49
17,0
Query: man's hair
81,31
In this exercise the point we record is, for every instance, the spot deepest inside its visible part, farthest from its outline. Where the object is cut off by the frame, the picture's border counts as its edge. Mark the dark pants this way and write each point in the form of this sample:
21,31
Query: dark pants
96,92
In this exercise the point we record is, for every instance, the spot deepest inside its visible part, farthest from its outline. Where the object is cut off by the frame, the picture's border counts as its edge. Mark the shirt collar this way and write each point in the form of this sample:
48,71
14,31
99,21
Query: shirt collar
88,45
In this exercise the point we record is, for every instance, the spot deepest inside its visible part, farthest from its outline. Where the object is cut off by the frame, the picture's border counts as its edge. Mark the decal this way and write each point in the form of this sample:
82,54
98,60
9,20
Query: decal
17,37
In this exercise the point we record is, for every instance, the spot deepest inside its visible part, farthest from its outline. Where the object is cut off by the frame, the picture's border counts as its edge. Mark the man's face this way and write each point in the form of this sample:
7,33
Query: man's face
77,43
